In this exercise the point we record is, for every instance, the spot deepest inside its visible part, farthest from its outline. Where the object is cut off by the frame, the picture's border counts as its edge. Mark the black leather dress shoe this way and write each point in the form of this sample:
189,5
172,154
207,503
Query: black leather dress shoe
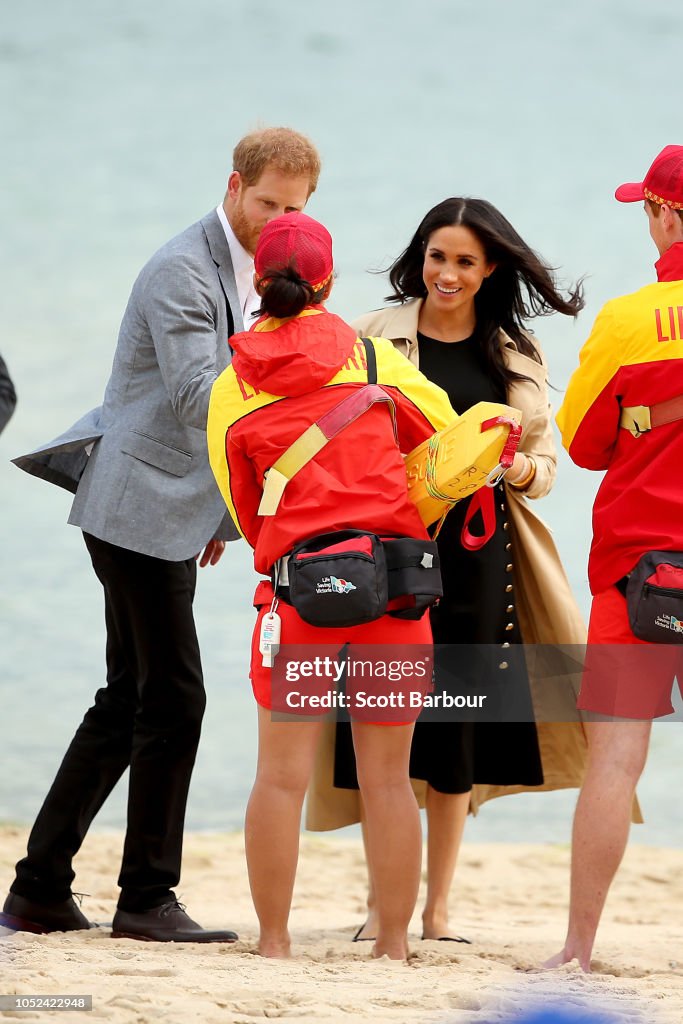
22,915
168,923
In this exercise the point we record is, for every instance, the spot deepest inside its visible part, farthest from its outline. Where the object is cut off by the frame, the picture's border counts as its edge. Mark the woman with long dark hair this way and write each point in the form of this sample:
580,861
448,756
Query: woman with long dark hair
462,291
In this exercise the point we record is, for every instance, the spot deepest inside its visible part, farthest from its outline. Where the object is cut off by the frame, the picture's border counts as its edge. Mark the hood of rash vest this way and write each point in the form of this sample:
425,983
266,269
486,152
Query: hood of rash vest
294,356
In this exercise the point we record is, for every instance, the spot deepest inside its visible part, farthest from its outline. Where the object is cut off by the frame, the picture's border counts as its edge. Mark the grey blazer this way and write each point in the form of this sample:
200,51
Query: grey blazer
147,485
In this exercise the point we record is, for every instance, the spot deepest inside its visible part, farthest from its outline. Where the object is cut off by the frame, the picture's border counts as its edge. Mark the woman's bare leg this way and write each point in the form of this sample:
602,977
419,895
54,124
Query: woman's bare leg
446,816
369,930
273,821
394,841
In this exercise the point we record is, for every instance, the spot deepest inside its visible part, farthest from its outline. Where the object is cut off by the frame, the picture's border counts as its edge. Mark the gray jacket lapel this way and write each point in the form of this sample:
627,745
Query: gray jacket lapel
220,253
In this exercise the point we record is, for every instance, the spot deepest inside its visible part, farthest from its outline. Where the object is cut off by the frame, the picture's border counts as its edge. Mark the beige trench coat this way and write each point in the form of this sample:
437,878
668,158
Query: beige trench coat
547,611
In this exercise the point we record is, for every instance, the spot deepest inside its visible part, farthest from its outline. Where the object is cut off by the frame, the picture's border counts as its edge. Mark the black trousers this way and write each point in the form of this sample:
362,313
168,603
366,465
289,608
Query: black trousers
148,717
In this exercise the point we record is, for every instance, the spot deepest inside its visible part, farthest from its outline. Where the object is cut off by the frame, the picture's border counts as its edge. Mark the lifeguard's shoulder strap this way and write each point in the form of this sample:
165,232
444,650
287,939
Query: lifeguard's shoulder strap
315,437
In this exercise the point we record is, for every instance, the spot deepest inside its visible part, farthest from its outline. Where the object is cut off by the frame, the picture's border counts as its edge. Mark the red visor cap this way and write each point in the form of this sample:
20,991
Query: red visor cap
663,183
298,239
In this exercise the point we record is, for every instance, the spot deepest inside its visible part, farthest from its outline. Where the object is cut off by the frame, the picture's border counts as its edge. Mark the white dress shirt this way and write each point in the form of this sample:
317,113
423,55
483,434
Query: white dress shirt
243,266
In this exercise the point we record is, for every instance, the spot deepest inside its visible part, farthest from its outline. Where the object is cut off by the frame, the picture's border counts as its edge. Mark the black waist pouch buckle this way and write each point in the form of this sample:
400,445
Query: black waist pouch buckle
654,596
339,579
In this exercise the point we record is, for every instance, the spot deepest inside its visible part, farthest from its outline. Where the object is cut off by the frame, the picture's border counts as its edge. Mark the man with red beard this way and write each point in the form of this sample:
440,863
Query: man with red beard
147,503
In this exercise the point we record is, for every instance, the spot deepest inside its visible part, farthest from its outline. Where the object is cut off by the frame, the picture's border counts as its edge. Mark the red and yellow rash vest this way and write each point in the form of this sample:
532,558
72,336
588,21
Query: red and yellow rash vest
284,375
634,356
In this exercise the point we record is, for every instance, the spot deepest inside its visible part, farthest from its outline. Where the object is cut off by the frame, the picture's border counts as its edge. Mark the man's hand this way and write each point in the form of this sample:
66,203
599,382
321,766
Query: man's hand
212,553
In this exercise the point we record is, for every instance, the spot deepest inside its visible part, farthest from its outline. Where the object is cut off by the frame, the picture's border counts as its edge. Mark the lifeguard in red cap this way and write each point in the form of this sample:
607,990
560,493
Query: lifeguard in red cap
305,432
623,413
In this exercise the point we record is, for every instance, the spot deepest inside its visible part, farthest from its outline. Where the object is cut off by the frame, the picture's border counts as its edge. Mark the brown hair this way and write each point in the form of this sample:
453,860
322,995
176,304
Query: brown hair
283,148
655,208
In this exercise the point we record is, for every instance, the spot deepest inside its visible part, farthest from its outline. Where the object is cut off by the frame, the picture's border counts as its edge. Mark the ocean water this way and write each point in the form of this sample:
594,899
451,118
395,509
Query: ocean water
117,128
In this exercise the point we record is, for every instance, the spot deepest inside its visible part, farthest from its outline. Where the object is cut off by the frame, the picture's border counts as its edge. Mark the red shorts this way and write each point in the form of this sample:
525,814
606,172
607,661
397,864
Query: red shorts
625,677
398,654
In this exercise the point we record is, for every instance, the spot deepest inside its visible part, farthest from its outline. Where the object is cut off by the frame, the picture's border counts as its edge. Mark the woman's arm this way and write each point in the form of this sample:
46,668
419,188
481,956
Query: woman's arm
537,443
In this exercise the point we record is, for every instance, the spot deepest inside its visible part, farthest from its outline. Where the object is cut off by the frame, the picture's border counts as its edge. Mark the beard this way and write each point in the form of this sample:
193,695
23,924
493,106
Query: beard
246,232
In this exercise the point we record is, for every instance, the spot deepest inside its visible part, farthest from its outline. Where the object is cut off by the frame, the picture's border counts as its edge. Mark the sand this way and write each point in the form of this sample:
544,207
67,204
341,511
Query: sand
510,900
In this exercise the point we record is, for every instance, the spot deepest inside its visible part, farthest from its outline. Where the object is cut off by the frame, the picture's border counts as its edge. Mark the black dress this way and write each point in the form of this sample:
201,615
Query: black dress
477,608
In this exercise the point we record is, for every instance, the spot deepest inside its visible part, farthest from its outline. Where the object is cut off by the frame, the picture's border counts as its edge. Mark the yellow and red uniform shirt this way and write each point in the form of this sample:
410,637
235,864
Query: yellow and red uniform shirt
285,374
634,356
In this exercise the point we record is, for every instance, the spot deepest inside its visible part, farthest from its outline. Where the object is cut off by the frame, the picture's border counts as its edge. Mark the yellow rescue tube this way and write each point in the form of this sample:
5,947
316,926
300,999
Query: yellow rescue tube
461,459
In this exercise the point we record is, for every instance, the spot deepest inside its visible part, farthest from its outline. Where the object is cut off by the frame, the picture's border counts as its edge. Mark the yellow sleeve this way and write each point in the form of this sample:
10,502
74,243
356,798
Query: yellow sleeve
589,415
224,409
394,370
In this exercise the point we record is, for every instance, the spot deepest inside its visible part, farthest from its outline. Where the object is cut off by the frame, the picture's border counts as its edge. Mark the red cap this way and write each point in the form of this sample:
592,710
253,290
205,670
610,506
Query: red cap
298,239
663,183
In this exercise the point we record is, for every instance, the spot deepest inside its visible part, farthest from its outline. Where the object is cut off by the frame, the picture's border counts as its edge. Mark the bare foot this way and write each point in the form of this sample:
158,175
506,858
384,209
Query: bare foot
275,948
438,928
392,950
565,956
368,932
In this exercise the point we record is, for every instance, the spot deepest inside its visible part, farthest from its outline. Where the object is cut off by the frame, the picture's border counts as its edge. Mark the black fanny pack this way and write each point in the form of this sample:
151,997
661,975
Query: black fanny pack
349,577
654,597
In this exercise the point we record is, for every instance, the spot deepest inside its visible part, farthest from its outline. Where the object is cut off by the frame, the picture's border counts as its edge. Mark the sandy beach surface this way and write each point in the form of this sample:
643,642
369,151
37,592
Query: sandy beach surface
510,900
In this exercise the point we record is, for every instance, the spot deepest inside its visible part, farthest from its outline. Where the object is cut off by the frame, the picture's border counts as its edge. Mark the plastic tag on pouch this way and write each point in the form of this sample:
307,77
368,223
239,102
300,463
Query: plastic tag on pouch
269,641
